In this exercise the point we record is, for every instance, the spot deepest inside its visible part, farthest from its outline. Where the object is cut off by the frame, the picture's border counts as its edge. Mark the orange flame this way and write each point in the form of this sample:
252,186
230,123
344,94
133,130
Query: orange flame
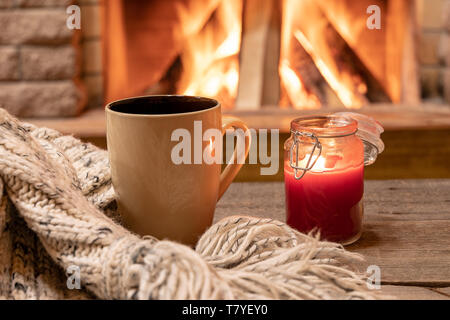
341,90
210,54
303,21
298,96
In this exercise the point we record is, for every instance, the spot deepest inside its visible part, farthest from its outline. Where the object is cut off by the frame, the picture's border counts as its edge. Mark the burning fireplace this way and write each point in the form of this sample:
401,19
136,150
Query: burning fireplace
172,47
266,57
300,54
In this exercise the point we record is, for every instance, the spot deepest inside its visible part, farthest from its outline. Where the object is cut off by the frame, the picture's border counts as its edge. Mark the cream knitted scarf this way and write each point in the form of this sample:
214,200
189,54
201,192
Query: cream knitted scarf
57,210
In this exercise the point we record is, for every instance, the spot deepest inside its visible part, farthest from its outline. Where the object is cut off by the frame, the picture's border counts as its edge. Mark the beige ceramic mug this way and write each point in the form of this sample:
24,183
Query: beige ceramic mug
156,195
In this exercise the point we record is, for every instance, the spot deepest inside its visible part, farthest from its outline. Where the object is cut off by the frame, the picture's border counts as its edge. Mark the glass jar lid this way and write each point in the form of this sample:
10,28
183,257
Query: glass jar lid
313,128
334,126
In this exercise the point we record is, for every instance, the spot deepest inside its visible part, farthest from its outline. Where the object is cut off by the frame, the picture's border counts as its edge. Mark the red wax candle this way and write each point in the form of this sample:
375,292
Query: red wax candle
330,201
323,173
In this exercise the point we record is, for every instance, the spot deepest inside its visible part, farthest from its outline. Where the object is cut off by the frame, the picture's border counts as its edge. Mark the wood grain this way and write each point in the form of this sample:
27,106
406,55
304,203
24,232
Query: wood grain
413,293
256,25
406,228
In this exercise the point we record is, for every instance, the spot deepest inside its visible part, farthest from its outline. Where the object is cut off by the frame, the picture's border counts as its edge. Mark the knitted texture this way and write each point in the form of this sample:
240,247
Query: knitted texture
57,210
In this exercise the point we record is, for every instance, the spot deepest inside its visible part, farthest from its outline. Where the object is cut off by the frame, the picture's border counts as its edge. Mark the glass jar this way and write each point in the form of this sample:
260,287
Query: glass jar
324,177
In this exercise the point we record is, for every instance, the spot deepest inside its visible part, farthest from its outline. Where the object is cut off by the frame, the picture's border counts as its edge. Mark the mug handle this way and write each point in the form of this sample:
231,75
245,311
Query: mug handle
233,166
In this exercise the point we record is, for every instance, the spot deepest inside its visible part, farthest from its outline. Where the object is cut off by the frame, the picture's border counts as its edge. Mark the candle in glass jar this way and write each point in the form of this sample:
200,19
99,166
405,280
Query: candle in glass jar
329,200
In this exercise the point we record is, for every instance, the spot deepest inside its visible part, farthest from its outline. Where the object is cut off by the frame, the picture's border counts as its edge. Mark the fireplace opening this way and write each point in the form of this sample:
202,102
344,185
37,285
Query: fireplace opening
314,54
269,57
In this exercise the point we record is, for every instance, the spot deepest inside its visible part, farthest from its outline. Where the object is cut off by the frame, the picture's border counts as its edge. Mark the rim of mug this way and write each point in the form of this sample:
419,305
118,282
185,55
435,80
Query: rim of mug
139,115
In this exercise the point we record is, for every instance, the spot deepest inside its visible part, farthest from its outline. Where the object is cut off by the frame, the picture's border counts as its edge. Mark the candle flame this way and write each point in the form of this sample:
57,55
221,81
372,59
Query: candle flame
319,165
323,163
211,53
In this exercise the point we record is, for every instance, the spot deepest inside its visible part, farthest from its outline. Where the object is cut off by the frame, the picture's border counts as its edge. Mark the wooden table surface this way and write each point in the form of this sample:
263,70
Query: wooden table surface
406,230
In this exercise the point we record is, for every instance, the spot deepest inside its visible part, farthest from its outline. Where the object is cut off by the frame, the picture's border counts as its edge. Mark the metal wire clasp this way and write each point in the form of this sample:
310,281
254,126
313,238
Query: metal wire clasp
295,144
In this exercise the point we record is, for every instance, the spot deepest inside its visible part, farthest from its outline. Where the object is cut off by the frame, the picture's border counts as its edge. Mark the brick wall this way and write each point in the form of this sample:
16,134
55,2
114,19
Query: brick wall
434,49
40,59
92,52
